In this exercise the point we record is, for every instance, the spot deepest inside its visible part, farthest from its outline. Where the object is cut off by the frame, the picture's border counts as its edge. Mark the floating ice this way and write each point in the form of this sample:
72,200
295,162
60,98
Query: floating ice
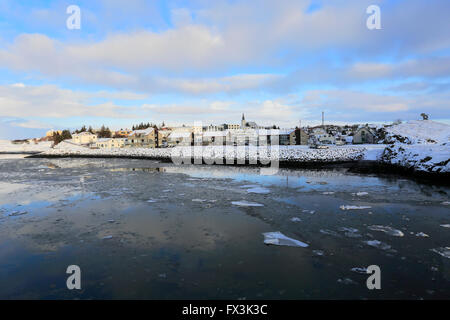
421,234
295,219
329,232
249,186
260,190
346,281
244,203
446,203
279,239
198,200
378,244
390,231
445,252
354,207
362,193
328,192
318,252
151,200
359,270
17,213
445,225
107,237
350,232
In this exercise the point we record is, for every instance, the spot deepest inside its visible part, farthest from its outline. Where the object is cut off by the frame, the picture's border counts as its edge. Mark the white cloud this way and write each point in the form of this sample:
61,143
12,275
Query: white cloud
49,101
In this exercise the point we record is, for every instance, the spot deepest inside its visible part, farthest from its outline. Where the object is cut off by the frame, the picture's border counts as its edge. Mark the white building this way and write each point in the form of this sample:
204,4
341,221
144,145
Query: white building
84,138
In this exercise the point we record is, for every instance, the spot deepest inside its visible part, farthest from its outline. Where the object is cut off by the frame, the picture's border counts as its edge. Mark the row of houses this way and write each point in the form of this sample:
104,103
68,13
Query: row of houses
157,138
247,133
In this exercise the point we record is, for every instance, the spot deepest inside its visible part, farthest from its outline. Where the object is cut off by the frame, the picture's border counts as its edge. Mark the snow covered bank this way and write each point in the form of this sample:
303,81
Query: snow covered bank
210,153
419,157
6,146
422,146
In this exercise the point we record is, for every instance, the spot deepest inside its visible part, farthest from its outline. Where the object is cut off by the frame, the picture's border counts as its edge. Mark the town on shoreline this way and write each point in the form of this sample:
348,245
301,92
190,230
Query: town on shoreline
147,135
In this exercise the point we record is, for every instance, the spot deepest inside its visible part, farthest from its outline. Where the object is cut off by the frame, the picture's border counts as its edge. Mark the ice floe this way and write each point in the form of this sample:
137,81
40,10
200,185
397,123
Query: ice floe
354,207
244,203
378,244
318,252
260,190
445,225
330,232
388,230
359,270
362,193
421,234
296,219
443,251
17,213
346,281
350,232
279,239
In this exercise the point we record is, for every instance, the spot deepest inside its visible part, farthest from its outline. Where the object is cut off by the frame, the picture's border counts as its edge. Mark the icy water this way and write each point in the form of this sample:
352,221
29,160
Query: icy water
141,229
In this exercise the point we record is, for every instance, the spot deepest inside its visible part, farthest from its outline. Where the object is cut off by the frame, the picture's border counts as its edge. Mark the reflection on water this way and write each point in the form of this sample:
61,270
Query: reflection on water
143,229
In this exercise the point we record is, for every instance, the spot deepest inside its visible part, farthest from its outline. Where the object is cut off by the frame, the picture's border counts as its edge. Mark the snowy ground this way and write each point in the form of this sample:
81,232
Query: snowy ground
420,145
419,132
8,146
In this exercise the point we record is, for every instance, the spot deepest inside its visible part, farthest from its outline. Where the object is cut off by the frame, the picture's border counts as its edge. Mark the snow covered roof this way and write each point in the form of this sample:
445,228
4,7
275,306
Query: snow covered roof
84,133
179,134
141,132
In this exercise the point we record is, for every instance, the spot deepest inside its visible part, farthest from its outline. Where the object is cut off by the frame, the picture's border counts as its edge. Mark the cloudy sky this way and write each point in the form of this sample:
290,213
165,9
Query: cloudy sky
279,62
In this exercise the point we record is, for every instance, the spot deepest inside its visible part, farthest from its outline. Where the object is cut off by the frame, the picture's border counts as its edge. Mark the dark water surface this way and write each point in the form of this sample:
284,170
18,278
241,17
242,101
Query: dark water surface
140,229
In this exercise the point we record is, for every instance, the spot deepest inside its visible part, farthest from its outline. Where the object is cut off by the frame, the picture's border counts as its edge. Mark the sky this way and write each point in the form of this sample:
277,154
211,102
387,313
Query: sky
182,62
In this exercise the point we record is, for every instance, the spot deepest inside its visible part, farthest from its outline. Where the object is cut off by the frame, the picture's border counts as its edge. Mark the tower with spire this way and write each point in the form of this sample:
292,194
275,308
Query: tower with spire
243,122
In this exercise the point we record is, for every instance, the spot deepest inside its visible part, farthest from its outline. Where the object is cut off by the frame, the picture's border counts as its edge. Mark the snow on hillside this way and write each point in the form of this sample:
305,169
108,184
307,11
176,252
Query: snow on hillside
420,145
419,131
420,157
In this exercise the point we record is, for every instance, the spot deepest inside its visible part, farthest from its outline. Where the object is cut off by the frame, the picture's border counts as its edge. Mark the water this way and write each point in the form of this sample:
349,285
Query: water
136,233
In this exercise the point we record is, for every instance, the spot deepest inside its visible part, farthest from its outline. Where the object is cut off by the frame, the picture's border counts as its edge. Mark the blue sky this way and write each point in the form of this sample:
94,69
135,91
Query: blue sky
279,62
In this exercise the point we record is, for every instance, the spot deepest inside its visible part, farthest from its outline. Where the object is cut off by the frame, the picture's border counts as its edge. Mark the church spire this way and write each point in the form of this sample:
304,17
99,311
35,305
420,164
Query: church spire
243,118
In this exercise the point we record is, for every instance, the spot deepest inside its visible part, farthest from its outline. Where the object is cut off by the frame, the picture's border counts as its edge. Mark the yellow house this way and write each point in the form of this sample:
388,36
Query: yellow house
142,138
110,143
84,138
50,133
